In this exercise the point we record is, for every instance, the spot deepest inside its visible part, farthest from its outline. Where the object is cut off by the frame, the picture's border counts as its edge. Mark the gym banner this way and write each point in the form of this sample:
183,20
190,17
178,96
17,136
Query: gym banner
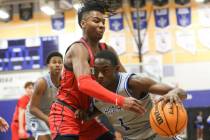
161,17
143,19
186,40
153,65
116,22
183,16
203,37
163,41
204,14
118,43
58,21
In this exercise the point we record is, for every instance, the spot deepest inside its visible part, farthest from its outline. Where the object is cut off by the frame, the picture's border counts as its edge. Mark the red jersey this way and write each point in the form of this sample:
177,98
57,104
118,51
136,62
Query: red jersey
69,92
62,119
21,103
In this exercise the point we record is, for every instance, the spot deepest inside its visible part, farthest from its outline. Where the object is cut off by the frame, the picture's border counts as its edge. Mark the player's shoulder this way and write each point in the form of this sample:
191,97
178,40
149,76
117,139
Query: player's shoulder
138,79
41,80
76,44
77,47
110,48
41,83
24,97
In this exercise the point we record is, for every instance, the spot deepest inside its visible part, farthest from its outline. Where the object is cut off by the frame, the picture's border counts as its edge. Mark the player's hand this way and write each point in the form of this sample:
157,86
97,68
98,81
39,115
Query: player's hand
81,114
172,98
133,105
176,95
4,126
22,134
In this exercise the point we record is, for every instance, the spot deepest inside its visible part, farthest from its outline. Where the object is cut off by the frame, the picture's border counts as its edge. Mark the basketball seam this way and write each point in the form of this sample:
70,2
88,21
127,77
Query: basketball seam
177,117
167,122
184,122
159,127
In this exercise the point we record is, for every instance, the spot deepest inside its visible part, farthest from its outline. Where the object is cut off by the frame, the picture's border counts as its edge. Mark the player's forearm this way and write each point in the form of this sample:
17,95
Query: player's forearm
21,116
90,87
163,89
160,89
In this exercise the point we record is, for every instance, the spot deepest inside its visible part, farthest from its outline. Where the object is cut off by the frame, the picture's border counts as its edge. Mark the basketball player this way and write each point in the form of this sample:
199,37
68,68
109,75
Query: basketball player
131,125
44,94
18,126
78,85
4,126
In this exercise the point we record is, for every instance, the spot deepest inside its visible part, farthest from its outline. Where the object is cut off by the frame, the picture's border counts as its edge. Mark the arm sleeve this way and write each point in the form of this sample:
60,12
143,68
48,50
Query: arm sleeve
90,87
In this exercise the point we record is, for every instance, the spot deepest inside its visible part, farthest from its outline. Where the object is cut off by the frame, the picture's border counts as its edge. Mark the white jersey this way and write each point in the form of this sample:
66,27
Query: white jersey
131,125
35,125
47,98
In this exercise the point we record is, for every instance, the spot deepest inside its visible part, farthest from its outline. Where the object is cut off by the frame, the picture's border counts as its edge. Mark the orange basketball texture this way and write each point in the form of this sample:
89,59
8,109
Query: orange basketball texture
167,120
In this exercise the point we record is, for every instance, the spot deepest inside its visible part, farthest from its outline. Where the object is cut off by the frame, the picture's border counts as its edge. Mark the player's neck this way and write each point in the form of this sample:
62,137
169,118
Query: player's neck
55,80
92,42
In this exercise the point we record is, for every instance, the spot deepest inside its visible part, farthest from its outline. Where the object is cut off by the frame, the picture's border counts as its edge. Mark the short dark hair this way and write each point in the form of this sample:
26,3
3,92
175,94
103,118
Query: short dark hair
52,54
108,55
29,83
91,5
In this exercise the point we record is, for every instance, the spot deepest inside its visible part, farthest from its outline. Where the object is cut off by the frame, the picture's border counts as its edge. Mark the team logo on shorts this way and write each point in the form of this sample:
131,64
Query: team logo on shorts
34,125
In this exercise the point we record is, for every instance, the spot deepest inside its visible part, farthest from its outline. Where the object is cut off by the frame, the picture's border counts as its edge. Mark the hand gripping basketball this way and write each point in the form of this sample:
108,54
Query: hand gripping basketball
168,119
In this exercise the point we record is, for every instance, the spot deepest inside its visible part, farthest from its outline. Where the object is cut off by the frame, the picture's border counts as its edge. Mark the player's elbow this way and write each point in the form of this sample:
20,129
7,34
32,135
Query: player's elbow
82,83
82,88
32,109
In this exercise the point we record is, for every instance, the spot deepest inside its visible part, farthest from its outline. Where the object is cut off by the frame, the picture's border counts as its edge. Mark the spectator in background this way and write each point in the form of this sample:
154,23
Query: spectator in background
45,90
208,120
18,126
3,125
199,125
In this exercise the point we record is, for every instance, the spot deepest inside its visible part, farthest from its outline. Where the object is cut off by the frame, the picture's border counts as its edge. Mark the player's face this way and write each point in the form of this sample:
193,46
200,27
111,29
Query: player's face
105,72
55,65
29,89
94,25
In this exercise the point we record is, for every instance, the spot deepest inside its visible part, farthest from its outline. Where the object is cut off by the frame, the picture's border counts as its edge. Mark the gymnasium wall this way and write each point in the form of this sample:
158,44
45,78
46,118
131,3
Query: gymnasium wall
186,66
182,62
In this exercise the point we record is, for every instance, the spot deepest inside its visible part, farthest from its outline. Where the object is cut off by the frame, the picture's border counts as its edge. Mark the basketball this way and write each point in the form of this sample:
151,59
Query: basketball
167,120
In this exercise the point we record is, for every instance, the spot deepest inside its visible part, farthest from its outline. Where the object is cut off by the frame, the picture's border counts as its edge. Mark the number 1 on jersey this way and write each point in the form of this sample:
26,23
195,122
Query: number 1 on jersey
123,125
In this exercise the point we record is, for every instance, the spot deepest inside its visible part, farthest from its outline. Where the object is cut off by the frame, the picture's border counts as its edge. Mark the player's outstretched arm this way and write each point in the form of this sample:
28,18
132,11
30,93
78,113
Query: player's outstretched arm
145,84
79,57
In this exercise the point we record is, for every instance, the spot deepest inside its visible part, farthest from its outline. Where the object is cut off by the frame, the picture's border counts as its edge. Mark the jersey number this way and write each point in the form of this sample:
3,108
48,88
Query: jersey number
123,125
